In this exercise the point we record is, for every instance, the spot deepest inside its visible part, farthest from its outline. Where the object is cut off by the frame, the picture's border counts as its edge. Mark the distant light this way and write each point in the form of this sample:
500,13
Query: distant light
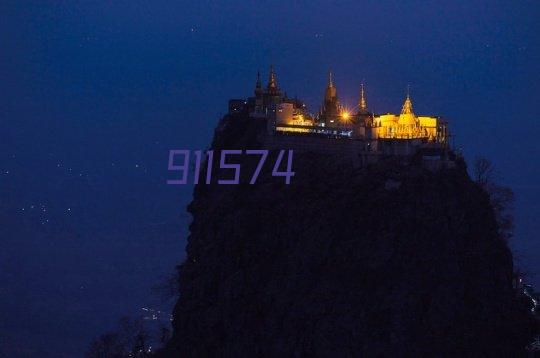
345,115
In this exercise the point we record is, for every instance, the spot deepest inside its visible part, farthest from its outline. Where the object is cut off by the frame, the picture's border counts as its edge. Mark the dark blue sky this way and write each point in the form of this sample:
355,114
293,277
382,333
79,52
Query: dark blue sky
92,96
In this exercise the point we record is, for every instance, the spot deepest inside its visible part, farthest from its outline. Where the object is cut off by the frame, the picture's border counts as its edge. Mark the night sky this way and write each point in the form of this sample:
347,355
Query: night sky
94,94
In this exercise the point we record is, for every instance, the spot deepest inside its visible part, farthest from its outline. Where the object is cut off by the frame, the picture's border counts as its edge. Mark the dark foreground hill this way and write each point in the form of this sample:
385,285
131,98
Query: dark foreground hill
389,260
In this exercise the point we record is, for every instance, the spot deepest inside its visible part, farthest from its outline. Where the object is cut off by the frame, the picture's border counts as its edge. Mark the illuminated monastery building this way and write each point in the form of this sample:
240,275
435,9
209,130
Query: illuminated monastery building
363,135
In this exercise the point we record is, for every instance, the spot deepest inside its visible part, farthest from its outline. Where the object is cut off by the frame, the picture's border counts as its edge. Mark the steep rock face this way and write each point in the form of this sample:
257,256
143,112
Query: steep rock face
388,260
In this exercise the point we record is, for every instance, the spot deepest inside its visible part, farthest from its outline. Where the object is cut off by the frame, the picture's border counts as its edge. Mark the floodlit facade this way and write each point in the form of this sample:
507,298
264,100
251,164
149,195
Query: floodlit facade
399,134
407,125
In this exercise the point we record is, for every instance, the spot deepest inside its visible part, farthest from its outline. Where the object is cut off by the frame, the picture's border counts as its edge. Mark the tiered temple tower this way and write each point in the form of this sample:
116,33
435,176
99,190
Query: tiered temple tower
272,95
331,109
362,104
266,99
407,122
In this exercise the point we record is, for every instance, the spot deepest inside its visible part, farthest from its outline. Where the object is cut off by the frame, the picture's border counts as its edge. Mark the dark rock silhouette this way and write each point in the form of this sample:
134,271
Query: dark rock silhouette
388,260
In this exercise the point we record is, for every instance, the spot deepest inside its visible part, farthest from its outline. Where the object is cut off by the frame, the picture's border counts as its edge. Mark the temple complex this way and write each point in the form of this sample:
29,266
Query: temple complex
335,127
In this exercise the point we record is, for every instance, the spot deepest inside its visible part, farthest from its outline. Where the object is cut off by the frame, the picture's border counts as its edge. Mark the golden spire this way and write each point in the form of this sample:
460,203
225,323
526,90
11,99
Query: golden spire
362,103
407,117
331,92
407,106
272,82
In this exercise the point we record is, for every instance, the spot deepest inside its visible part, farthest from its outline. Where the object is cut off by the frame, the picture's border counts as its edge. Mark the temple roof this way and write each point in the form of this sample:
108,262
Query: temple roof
407,116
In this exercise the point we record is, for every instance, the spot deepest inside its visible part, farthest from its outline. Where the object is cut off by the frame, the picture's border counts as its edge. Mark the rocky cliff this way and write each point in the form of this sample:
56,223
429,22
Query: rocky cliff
388,260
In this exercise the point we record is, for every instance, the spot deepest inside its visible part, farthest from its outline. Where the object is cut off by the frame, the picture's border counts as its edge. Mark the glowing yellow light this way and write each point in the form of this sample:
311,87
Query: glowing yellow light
345,115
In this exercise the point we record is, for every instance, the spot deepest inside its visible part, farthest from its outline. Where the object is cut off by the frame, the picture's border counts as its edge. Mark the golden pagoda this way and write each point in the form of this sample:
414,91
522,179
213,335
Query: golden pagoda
406,125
